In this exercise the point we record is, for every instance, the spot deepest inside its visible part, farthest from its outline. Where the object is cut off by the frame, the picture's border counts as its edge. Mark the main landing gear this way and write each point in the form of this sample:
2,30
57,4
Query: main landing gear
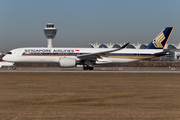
87,67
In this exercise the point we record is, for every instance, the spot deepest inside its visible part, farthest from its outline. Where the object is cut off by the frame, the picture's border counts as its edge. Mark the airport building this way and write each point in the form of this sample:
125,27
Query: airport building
50,33
132,45
173,56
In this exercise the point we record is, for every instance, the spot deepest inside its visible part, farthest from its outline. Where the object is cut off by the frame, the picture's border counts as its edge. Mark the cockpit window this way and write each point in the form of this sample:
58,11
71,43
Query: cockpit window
9,53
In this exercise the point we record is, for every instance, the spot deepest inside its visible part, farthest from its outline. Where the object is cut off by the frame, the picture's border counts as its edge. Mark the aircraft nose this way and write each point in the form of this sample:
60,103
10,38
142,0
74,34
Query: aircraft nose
4,58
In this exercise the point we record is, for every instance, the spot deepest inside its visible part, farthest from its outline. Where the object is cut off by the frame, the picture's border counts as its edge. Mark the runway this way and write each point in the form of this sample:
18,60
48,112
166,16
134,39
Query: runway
97,69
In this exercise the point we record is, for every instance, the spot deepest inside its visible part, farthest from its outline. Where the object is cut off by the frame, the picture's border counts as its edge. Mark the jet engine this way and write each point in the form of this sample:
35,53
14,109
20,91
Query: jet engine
67,62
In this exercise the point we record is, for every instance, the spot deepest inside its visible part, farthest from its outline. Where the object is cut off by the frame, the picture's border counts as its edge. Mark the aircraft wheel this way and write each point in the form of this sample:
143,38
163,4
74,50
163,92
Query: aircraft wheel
90,68
85,68
14,67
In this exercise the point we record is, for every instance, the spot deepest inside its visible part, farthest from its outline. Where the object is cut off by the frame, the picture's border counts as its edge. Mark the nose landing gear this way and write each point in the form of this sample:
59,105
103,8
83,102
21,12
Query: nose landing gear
14,67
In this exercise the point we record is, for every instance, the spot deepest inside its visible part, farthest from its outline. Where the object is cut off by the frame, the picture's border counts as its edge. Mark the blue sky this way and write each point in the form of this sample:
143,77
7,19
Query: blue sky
80,22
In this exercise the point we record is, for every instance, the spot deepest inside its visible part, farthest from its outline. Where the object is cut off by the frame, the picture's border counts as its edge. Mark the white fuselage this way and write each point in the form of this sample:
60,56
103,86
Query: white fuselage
53,55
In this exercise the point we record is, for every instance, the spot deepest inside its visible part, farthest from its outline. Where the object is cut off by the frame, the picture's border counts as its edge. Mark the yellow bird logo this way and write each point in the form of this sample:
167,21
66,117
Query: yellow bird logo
157,42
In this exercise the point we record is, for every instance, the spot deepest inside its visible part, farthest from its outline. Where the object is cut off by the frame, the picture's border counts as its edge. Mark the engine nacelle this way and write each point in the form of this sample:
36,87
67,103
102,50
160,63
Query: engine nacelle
67,62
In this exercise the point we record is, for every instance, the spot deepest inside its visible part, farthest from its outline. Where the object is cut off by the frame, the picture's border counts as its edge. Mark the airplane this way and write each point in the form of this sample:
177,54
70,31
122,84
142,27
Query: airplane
87,57
8,64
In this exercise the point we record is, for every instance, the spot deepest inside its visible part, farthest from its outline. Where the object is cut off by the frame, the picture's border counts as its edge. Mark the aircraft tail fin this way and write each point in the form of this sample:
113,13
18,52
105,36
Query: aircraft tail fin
160,41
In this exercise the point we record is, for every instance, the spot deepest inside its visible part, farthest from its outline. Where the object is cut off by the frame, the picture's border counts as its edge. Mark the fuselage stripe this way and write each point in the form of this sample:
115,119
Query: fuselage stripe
111,55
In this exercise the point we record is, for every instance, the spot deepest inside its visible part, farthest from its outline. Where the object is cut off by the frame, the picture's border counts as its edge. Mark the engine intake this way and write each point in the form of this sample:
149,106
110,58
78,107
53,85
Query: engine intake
67,62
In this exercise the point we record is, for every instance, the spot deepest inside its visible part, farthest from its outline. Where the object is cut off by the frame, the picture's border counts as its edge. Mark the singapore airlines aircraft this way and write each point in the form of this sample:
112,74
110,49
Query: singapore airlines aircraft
70,57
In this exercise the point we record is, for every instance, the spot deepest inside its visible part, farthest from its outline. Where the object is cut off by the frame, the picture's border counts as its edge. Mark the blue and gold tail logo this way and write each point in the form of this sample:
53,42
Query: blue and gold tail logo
160,41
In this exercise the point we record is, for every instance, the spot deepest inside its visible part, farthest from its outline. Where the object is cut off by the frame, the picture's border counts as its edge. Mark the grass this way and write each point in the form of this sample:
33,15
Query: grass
137,96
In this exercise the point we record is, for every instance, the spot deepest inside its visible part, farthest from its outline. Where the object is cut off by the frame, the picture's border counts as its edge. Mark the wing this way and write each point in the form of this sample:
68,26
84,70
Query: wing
99,54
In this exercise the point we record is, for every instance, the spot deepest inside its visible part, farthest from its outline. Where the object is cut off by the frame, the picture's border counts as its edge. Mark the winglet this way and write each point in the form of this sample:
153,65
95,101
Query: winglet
160,41
124,46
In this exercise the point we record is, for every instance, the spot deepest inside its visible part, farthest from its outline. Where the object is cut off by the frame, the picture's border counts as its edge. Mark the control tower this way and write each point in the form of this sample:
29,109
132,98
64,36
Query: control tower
50,32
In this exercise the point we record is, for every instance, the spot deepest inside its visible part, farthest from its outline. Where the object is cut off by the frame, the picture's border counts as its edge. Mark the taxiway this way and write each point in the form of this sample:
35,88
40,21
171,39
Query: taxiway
97,69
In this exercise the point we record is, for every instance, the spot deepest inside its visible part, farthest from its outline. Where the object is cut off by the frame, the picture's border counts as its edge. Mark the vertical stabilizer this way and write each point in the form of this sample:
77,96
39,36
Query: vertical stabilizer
160,41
